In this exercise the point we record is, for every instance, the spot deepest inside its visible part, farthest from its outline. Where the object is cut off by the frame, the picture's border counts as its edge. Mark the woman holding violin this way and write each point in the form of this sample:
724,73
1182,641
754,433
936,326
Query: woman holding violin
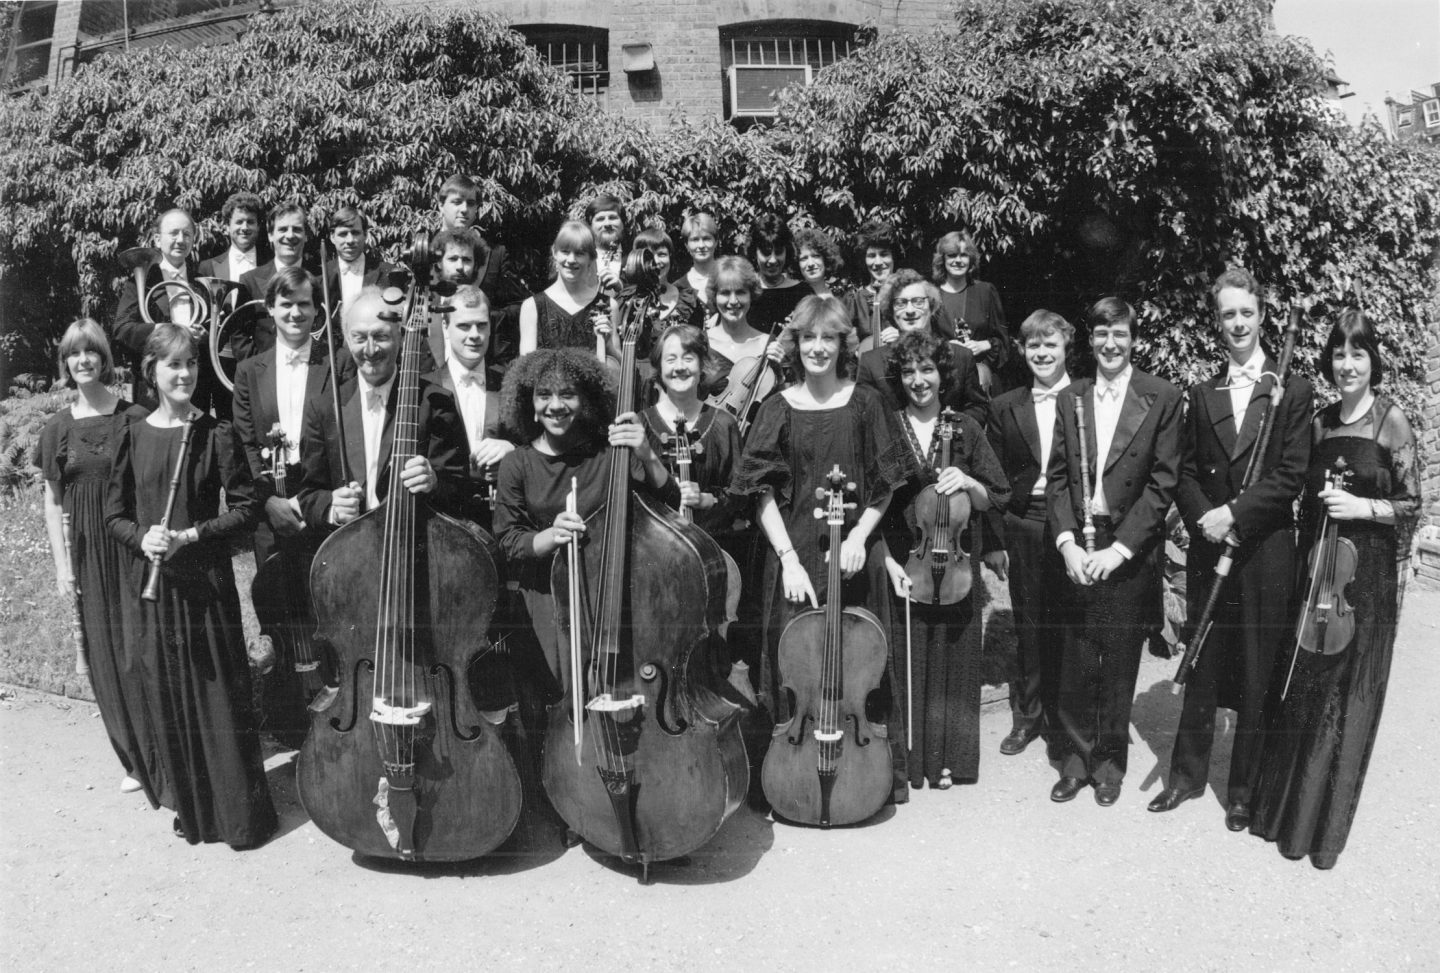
744,362
927,533
800,435
74,455
1319,742
163,506
560,404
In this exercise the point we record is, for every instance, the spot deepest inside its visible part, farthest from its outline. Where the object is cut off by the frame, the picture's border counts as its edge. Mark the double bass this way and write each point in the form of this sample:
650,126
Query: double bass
939,566
281,596
828,764
644,760
399,763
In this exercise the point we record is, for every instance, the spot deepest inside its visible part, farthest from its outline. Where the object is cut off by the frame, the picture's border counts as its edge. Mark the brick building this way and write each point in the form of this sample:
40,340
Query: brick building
652,60
1417,120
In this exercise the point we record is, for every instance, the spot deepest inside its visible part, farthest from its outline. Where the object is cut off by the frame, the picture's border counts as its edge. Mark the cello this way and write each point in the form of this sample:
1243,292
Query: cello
939,566
282,605
662,764
399,763
829,764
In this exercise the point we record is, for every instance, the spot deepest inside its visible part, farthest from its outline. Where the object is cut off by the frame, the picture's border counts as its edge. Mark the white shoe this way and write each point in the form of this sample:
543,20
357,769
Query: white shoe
129,785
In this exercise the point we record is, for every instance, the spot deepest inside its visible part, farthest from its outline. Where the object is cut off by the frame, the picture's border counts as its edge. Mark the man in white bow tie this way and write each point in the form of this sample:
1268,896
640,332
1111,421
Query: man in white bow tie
1129,456
1253,615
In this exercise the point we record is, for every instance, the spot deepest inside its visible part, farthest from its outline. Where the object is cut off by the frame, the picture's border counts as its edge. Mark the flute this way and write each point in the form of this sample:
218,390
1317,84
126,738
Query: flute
151,591
1089,528
77,621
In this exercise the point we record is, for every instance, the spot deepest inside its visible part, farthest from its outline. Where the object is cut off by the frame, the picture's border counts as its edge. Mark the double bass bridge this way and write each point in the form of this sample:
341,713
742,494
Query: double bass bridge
391,715
606,703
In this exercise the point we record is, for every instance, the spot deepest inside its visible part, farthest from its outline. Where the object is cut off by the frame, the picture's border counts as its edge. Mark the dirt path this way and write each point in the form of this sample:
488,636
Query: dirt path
992,876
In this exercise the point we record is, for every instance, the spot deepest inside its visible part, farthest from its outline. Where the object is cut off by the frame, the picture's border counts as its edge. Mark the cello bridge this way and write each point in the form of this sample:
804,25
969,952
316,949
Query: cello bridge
606,703
383,712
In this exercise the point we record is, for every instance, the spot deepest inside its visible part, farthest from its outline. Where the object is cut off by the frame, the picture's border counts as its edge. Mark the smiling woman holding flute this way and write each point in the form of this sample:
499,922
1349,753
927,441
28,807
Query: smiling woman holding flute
163,506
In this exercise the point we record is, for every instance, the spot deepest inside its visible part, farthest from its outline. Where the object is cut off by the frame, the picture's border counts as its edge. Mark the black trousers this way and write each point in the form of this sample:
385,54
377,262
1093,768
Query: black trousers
1101,662
1037,588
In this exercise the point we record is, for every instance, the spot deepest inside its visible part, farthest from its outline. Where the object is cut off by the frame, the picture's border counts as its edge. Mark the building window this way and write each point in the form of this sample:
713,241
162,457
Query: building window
581,52
1405,117
1432,112
30,41
761,59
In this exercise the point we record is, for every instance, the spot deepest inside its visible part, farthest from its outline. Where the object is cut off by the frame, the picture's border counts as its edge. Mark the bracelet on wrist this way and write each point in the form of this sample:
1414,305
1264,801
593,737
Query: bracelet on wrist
781,554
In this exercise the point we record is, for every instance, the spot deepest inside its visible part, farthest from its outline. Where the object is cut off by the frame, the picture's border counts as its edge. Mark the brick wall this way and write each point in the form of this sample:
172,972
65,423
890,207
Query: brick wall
1426,562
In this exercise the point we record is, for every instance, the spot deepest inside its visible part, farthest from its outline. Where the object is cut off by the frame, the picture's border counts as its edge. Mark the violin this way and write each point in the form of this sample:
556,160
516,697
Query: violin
751,381
399,763
829,764
282,605
645,759
1327,621
939,566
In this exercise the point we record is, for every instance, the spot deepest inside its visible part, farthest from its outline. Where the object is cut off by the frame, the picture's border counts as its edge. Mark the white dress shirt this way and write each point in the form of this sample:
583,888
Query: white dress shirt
470,399
291,370
1109,400
352,279
180,309
1241,380
241,262
372,414
1044,400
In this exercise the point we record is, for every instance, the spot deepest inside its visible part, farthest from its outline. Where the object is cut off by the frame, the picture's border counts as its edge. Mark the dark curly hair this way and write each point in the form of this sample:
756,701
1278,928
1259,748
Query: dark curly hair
897,282
560,366
916,347
819,241
879,235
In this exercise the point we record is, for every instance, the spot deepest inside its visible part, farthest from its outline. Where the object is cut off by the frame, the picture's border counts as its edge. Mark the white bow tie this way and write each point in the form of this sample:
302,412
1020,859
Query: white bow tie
1043,395
471,379
298,356
374,401
1106,390
1247,374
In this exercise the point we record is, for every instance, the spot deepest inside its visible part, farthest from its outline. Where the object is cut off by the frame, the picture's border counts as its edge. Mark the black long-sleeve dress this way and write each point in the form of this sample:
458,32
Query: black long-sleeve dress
945,639
76,455
205,762
791,451
1319,740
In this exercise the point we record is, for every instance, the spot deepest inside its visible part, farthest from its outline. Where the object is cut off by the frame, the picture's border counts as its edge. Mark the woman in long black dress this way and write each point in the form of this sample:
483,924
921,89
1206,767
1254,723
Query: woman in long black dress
1318,744
75,452
799,435
564,412
973,306
564,314
206,764
945,639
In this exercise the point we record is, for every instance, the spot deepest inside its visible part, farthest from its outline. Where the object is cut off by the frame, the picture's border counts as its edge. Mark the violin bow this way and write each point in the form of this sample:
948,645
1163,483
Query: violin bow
1232,543
909,676
572,564
333,352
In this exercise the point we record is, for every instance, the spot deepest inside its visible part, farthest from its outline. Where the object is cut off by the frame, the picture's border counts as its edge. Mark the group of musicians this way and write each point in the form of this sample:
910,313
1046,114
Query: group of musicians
1066,482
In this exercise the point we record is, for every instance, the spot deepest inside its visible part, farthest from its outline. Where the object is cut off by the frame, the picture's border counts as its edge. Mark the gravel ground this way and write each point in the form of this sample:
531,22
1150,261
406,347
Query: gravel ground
991,876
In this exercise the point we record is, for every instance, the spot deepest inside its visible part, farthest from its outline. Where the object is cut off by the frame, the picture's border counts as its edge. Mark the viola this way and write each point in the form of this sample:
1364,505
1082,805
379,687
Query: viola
645,760
1327,621
828,764
751,381
938,565
399,763
281,598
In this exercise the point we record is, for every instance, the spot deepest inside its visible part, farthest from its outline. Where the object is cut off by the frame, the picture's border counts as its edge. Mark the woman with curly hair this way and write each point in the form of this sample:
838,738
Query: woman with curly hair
881,252
973,306
563,410
819,259
945,639
799,436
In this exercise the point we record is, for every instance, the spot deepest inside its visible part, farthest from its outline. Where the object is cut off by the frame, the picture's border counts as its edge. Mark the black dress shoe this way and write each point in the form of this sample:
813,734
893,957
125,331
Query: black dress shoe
1237,816
1018,739
1172,797
1066,788
1107,794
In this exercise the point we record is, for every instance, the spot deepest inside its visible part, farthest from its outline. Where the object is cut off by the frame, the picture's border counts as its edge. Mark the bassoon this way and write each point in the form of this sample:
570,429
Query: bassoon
1226,560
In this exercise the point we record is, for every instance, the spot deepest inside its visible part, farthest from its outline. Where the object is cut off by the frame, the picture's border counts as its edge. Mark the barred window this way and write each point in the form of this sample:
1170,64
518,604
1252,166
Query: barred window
30,41
761,59
581,52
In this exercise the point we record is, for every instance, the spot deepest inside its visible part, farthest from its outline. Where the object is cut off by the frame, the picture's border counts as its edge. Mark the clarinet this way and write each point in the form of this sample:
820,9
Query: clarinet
151,591
77,621
1089,526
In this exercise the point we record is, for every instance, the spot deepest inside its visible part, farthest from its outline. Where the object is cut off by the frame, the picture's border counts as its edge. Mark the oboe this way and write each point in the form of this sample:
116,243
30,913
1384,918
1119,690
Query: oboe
77,623
151,591
1089,527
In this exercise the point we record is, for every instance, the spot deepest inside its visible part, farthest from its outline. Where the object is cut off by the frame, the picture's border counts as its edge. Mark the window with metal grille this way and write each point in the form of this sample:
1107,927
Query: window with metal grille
761,59
581,52
31,35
